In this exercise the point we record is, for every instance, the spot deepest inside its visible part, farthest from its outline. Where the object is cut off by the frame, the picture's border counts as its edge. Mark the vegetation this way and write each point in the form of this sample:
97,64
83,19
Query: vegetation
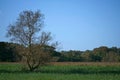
33,46
8,53
101,54
62,72
27,32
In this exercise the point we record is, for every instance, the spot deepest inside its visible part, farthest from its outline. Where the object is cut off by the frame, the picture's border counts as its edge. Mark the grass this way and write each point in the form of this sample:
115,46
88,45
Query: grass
61,72
41,76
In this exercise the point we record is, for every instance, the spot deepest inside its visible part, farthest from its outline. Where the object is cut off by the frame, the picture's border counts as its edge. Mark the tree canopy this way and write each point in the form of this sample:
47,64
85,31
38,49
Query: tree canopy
27,31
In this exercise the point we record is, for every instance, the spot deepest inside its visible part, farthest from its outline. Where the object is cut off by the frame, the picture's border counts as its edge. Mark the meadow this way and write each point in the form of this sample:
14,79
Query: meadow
62,71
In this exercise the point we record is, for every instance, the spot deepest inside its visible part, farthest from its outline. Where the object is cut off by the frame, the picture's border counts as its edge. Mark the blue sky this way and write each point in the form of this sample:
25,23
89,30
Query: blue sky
76,24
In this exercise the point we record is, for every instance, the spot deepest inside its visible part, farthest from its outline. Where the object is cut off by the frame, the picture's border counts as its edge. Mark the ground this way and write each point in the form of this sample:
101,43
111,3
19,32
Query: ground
62,71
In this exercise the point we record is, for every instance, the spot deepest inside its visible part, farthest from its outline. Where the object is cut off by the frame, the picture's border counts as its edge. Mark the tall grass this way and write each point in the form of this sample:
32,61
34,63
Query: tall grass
46,76
61,72
81,69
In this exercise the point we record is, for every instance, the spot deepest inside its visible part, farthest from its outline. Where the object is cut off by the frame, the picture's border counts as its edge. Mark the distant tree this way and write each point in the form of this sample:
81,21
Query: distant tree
8,53
86,55
99,53
112,55
27,31
95,58
71,56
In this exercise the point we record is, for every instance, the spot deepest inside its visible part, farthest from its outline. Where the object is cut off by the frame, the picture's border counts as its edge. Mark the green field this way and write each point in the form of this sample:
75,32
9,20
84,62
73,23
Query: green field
10,71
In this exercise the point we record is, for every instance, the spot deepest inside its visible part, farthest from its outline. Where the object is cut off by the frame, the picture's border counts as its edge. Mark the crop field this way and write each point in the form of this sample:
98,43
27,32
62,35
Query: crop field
62,71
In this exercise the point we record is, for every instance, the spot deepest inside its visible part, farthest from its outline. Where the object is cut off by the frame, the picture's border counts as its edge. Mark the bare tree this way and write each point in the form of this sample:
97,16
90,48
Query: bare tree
27,31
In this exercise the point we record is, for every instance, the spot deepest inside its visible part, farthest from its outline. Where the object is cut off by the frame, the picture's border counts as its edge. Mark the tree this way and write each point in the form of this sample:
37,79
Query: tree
86,55
8,53
27,31
99,53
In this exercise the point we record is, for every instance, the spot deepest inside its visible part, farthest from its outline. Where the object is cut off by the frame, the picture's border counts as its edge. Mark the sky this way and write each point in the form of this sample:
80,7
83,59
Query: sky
75,24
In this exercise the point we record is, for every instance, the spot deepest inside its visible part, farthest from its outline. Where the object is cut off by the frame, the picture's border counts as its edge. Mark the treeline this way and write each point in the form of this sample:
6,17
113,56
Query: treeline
8,53
101,54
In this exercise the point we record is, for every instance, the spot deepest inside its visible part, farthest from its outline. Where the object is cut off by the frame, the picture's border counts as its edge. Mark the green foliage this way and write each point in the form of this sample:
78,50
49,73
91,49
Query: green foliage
61,72
72,56
8,52
102,54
